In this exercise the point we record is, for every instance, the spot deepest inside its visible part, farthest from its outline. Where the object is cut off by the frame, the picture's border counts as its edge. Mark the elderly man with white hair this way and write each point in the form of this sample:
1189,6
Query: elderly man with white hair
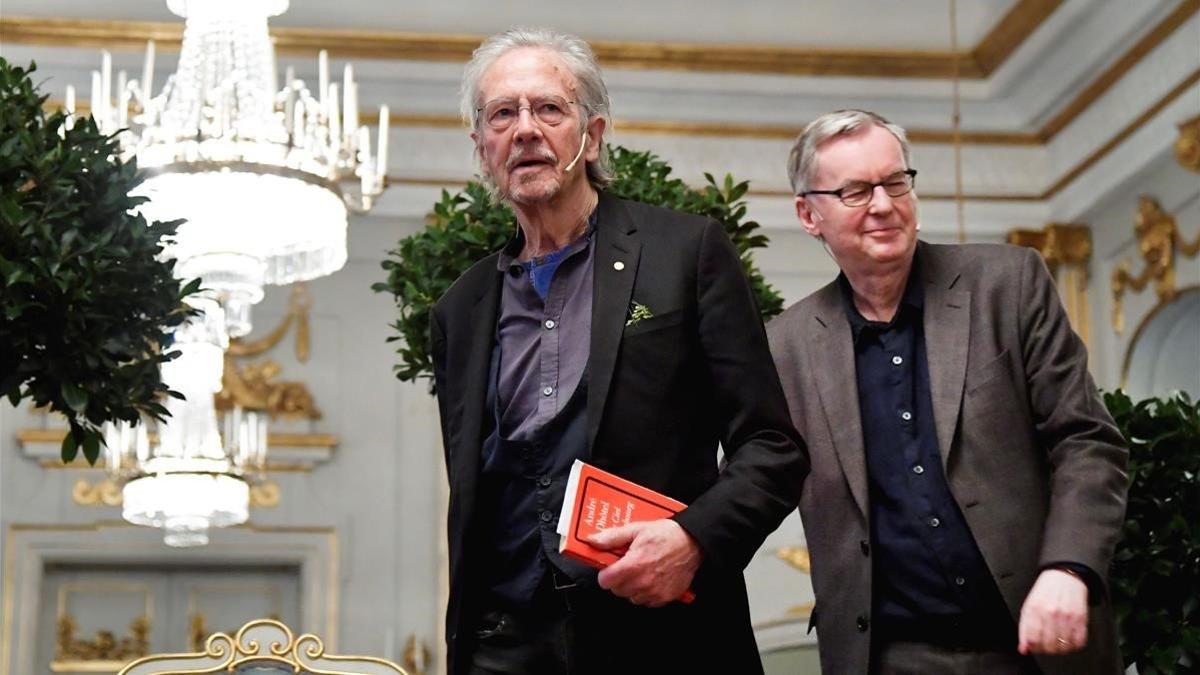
967,484
620,334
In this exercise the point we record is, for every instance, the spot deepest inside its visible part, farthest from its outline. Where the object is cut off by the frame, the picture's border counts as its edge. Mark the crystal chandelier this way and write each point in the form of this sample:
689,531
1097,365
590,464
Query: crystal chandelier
264,177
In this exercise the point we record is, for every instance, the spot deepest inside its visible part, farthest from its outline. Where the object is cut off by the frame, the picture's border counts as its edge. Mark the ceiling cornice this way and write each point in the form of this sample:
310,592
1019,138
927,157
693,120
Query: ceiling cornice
1066,179
1118,69
915,135
1042,136
1000,42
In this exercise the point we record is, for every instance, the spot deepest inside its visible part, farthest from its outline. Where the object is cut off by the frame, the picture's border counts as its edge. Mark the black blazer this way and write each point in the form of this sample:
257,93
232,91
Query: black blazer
661,394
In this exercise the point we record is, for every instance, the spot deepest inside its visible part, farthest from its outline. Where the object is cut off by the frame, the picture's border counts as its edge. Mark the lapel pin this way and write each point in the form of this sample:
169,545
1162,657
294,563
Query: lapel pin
618,266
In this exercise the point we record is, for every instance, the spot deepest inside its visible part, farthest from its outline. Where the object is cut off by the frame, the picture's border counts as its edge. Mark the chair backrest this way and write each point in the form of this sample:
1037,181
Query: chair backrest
262,647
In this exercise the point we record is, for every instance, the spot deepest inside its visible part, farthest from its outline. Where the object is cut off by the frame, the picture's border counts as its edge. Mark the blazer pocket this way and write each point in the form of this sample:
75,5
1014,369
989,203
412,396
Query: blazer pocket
990,372
654,323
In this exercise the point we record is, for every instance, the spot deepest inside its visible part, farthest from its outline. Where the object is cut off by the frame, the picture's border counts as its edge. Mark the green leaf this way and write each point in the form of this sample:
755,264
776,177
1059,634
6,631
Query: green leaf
91,446
74,396
69,448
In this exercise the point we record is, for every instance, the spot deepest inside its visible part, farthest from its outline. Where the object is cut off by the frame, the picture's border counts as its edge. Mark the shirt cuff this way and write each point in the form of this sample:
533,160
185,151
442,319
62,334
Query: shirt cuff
1094,583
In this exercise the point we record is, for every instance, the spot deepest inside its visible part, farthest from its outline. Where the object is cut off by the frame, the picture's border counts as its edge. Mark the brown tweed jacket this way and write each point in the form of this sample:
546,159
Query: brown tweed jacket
1032,457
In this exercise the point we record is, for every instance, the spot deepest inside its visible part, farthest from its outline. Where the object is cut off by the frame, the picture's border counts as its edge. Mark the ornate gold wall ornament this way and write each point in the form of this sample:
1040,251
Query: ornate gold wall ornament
796,557
265,494
1187,146
253,386
262,642
106,493
1158,238
416,655
105,646
1067,249
103,492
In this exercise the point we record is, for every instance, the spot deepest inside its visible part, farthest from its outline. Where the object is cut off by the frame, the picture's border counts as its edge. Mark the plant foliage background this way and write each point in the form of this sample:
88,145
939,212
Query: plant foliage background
1156,570
88,305
469,225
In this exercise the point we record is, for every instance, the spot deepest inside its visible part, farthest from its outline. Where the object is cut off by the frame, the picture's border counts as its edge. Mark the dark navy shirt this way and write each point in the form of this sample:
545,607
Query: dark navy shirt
928,571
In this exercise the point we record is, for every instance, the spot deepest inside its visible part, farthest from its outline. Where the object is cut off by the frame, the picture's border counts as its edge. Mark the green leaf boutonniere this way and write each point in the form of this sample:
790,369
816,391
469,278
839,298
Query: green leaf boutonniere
637,313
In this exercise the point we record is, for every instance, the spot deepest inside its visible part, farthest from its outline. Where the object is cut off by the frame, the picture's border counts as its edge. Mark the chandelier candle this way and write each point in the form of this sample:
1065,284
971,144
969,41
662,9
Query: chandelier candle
264,177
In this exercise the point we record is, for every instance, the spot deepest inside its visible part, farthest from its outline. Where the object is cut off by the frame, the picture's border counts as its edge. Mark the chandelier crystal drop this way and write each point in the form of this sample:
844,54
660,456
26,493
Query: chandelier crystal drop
263,175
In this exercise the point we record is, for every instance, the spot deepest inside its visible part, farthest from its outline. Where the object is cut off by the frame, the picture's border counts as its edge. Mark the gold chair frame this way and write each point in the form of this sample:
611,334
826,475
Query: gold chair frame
262,642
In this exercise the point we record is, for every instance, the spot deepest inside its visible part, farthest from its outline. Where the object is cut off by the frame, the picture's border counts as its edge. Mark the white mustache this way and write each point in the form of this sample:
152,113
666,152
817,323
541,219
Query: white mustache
538,154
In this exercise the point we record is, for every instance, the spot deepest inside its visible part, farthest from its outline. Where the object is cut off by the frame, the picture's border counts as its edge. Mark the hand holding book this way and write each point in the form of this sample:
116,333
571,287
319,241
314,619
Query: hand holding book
658,565
609,521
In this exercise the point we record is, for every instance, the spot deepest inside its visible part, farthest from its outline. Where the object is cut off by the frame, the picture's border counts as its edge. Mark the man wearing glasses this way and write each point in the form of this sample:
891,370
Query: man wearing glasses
620,334
967,485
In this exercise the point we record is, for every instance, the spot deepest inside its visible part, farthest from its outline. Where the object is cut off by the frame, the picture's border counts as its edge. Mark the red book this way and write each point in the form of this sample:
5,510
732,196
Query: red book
596,500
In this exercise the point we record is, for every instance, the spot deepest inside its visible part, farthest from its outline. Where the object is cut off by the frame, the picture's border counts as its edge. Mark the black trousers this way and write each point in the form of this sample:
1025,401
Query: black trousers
541,638
589,631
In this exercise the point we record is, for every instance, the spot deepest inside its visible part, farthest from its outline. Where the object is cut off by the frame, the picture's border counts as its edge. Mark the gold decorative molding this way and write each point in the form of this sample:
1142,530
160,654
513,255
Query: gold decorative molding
262,642
104,492
995,48
290,452
785,132
1187,146
106,652
106,648
8,591
1158,238
1067,250
1113,74
796,557
1143,324
1059,243
253,386
416,655
1125,132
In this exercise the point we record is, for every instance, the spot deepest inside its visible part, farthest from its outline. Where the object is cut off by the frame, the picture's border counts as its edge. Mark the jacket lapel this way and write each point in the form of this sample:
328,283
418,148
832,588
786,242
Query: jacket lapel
615,268
475,384
831,360
947,341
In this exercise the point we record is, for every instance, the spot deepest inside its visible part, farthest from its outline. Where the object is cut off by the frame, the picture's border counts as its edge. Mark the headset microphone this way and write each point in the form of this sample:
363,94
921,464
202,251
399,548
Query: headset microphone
582,145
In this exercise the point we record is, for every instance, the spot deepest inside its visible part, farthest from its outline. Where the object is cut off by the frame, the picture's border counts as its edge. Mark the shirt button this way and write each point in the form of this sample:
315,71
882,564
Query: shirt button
546,516
550,324
896,360
918,469
959,581
934,522
547,391
862,623
544,481
906,416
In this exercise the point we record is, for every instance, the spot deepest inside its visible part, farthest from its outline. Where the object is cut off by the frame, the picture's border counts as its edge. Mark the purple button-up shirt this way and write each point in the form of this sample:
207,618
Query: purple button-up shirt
544,343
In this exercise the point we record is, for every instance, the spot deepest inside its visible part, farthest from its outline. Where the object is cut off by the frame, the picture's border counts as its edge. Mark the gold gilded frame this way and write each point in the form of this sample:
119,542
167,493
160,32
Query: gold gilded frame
980,62
1179,294
262,641
104,665
329,557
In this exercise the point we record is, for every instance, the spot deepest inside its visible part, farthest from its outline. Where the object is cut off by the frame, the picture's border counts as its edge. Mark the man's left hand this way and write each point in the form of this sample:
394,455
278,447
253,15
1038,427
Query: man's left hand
658,567
1055,614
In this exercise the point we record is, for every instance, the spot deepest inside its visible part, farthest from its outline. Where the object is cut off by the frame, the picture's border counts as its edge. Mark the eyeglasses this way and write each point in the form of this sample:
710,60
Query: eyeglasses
502,113
859,193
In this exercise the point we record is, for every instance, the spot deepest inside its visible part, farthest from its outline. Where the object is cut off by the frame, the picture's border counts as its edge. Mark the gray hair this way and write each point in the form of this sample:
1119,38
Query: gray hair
802,162
591,93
